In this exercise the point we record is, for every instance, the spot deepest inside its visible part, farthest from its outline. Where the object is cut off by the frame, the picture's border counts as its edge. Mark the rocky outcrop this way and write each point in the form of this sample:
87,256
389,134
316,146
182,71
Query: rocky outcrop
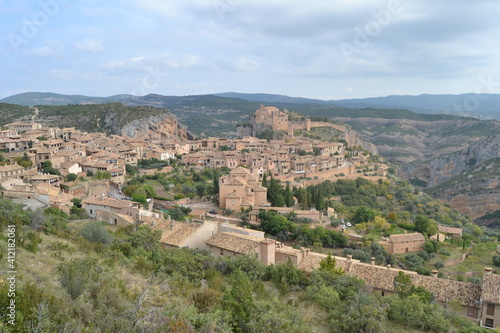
438,170
475,198
468,180
161,127
412,141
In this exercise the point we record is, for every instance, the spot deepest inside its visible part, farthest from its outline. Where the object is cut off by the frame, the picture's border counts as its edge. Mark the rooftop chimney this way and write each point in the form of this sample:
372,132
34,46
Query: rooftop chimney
372,260
435,273
388,266
487,270
349,258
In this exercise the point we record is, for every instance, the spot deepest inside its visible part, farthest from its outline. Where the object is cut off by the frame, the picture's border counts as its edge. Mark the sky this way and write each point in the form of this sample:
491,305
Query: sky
326,49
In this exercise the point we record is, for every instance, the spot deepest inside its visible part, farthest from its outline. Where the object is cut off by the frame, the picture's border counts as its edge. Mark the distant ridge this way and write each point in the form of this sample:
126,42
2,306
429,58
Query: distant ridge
476,105
272,98
47,98
482,106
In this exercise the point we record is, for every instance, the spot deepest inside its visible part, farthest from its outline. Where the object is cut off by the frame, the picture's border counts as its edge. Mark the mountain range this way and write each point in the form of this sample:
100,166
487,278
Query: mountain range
483,106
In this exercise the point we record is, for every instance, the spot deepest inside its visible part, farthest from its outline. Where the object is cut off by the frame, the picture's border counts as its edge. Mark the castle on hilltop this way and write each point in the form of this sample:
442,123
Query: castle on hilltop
269,117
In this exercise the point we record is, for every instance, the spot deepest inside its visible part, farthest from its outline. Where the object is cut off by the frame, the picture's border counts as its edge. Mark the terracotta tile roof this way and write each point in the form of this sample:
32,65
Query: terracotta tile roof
449,230
287,250
45,176
444,290
235,242
468,294
175,236
233,195
311,262
10,167
491,288
412,237
115,203
377,276
240,170
235,181
380,277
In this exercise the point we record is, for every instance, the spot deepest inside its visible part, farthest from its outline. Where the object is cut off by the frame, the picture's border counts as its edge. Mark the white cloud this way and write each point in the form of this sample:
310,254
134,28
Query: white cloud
51,48
162,62
246,64
89,45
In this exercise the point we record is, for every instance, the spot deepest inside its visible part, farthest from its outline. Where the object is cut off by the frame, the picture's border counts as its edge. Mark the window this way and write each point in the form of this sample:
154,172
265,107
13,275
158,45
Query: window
471,313
488,322
221,252
490,310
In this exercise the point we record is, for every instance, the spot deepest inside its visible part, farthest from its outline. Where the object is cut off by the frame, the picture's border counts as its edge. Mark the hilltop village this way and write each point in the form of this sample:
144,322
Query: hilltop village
51,167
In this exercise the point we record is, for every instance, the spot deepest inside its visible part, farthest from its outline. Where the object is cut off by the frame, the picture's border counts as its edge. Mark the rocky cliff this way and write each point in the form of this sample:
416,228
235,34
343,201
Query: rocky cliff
162,127
139,122
439,170
468,180
411,141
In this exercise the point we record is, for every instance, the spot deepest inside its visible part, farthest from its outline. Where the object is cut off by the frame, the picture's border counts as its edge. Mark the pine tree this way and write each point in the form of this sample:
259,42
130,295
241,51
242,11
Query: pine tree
288,196
216,183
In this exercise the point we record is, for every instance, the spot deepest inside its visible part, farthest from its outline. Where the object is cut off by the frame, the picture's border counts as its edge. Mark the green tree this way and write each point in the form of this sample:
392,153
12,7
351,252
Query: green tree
361,313
412,311
402,285
288,196
330,264
215,183
422,223
140,198
238,301
24,161
71,177
431,246
496,260
363,214
48,168
274,224
392,217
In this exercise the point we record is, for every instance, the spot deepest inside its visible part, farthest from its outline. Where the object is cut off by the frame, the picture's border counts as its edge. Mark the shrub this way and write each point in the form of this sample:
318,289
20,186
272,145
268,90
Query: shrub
496,260
444,252
95,232
439,264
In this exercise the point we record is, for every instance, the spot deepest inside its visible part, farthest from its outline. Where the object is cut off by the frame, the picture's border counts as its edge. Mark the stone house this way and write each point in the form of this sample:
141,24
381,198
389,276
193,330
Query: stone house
490,296
94,204
52,180
233,243
241,189
454,233
22,127
404,243
11,170
183,234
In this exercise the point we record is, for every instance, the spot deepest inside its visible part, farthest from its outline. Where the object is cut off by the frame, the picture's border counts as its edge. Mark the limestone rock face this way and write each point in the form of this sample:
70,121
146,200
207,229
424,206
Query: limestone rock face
158,127
468,180
440,169
475,199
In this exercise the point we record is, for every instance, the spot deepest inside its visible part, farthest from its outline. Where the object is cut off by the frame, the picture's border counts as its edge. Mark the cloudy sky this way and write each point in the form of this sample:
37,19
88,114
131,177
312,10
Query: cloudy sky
324,49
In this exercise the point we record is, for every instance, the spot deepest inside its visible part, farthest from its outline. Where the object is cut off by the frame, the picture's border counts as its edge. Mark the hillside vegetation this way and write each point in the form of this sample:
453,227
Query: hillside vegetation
86,277
12,112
